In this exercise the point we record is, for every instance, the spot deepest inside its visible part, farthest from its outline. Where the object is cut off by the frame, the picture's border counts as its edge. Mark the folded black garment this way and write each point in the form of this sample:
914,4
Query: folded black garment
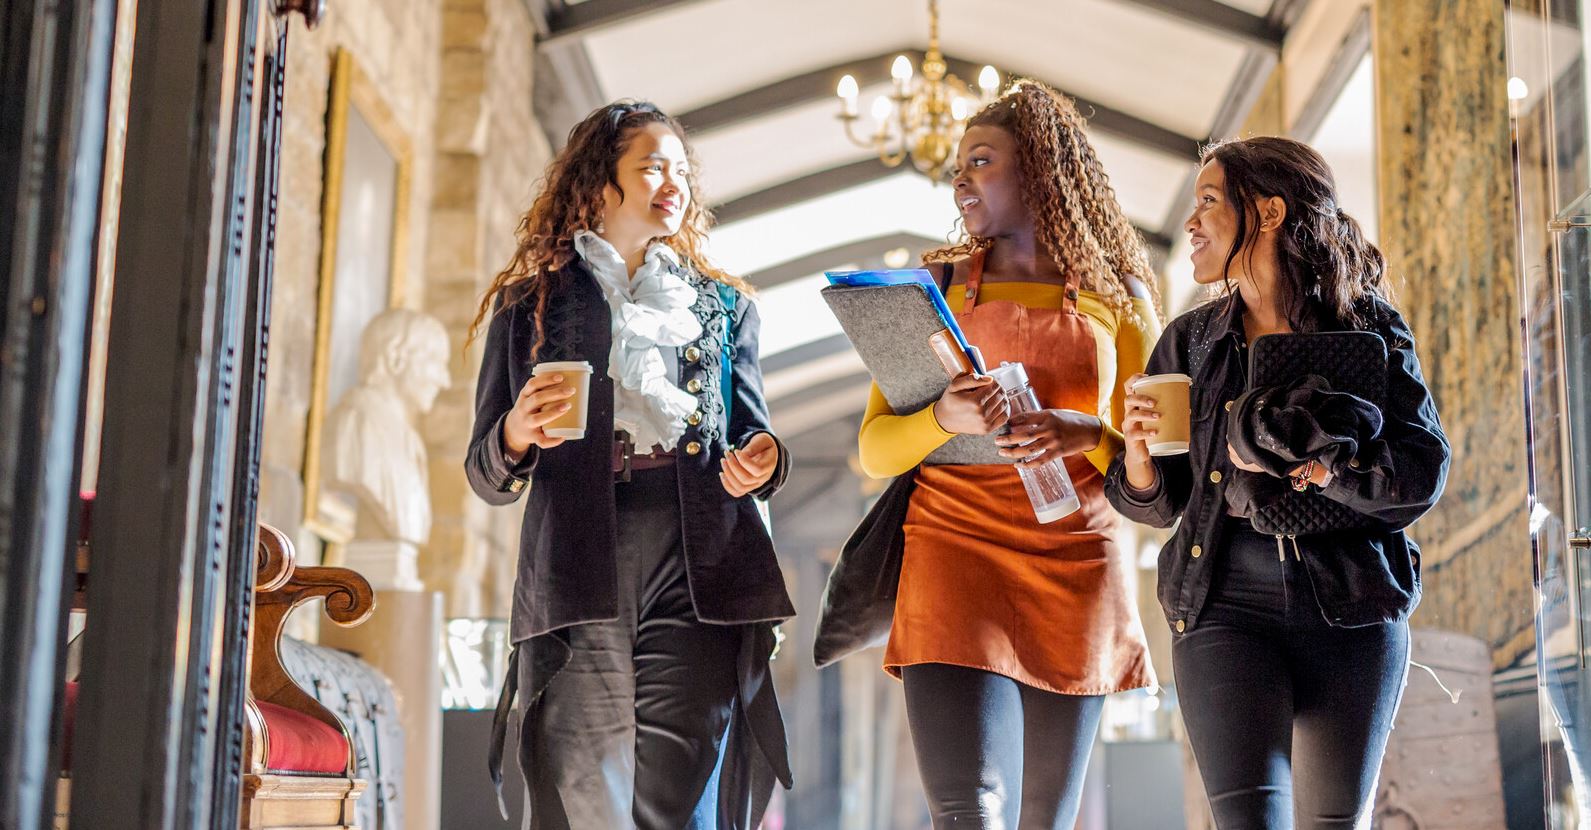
1280,427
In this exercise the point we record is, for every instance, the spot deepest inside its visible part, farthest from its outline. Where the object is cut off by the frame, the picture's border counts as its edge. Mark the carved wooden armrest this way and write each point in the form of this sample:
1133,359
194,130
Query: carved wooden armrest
280,586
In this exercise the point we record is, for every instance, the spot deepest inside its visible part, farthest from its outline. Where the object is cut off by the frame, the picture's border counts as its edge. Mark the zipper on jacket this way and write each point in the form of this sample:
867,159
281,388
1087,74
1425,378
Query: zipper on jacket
1281,547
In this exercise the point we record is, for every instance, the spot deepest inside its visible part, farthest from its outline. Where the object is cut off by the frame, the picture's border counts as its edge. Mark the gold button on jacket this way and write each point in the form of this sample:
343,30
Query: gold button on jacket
693,448
693,385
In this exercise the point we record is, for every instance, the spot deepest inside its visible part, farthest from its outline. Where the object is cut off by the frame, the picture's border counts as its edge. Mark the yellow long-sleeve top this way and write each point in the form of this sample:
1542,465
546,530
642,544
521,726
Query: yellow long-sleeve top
891,444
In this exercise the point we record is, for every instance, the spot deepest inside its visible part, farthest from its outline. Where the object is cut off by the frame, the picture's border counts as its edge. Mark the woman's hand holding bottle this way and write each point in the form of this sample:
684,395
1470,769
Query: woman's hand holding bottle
1039,436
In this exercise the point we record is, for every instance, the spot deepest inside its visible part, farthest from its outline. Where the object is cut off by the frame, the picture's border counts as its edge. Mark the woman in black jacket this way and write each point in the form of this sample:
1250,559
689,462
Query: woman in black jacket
647,587
1290,654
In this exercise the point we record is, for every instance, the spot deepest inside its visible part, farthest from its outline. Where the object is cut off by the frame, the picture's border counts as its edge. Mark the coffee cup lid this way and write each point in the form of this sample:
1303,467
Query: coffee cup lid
1167,378
561,366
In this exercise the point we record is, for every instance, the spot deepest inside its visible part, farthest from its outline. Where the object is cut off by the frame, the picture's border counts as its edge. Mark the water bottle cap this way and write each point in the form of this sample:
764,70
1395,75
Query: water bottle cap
1010,376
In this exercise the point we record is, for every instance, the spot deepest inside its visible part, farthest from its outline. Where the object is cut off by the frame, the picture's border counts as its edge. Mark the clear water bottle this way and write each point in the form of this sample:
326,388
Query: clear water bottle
1049,487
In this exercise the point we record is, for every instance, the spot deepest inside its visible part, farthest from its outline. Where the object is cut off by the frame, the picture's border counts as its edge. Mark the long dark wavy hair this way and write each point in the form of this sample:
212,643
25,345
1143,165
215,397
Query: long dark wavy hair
1068,194
1325,264
571,200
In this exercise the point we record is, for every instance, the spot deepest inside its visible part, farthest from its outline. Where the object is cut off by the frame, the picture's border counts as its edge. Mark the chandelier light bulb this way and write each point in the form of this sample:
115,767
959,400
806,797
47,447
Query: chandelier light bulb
847,87
881,108
989,80
901,70
958,108
847,91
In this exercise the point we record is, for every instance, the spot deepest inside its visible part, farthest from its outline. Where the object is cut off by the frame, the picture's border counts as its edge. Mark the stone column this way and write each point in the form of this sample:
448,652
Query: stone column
1442,768
1447,212
489,151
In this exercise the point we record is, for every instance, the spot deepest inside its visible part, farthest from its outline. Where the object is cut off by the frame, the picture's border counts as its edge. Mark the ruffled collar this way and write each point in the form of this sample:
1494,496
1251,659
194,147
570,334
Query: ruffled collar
653,309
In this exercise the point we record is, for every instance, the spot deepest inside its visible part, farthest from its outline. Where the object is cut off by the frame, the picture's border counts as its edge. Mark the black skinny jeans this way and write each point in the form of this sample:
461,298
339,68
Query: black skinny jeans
994,753
1288,716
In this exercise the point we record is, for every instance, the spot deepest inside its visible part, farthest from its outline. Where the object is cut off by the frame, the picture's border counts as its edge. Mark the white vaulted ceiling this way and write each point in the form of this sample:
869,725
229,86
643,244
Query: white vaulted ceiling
753,80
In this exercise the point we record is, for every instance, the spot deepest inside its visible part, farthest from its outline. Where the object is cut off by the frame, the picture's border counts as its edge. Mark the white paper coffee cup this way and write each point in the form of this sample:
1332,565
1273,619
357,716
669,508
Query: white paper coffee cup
576,373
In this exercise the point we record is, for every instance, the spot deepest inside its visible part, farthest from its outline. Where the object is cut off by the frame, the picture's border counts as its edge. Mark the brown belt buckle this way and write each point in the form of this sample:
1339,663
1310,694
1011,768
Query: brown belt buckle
623,451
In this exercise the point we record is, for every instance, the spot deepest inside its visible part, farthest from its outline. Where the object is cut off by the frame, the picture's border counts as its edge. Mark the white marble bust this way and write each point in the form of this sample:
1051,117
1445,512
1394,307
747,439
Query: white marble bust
374,450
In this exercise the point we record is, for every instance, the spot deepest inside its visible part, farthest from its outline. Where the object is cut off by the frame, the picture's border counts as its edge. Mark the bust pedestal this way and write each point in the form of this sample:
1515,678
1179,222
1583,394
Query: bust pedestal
403,640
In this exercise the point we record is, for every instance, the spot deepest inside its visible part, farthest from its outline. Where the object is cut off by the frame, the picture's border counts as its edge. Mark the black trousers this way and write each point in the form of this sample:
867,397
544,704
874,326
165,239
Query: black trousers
629,733
1288,716
994,753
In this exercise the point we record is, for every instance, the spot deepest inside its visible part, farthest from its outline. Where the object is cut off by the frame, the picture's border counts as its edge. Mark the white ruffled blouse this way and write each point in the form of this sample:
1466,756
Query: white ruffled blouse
650,312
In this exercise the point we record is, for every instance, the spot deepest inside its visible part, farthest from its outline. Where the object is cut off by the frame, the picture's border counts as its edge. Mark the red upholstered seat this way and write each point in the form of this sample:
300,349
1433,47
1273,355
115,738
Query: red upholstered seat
299,743
302,744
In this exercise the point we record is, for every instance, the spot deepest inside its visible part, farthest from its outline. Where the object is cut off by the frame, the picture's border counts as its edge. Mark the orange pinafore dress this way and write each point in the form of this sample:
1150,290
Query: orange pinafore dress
983,585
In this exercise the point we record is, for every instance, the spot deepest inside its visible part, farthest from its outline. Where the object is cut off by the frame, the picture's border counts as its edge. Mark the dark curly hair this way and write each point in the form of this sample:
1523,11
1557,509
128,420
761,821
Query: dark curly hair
571,200
1325,264
1066,190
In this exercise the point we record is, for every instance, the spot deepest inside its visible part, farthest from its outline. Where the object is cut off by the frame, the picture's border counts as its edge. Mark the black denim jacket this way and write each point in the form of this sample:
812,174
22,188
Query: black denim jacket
1360,577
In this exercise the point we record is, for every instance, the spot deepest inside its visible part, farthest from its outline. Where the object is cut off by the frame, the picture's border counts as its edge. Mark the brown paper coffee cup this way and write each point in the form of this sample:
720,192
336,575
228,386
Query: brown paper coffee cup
1170,393
576,373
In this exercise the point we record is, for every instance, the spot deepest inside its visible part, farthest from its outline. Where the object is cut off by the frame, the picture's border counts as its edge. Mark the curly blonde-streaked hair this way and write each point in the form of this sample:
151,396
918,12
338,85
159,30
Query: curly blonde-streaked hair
1066,190
571,200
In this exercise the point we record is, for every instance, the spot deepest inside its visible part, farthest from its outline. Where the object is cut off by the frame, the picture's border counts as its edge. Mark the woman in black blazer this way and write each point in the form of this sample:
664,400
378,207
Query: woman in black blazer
647,587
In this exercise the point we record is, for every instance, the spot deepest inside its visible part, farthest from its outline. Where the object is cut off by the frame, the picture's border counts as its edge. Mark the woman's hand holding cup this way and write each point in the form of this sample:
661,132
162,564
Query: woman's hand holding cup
1139,426
541,401
972,405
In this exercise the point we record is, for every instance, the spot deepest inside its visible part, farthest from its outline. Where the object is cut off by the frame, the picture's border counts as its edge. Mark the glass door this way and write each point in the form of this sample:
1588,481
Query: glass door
1548,92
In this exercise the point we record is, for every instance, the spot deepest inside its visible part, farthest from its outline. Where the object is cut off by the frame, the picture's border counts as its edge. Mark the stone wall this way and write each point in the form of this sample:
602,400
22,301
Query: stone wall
1447,213
456,76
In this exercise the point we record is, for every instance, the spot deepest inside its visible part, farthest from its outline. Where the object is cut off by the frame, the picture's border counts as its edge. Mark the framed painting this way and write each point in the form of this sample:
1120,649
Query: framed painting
364,247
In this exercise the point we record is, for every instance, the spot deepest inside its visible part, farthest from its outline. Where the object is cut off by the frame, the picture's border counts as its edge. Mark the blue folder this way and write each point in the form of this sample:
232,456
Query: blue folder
908,276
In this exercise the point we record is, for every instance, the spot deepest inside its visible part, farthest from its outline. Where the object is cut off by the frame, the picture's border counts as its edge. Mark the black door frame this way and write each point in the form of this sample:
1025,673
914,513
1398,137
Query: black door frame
54,78
158,739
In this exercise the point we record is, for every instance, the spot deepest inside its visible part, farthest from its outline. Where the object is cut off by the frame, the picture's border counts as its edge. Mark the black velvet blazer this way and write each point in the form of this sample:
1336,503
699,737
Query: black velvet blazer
566,571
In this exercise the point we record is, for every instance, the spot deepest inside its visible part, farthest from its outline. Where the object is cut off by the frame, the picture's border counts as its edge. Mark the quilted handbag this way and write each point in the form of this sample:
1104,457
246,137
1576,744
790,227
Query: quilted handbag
1350,361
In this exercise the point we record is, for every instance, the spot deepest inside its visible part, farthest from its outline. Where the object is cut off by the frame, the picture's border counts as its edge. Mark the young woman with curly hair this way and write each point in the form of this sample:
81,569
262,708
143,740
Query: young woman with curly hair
647,587
1007,632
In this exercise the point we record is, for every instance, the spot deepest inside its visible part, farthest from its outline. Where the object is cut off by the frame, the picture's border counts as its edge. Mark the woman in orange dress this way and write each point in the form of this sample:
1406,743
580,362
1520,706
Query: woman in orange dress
1007,632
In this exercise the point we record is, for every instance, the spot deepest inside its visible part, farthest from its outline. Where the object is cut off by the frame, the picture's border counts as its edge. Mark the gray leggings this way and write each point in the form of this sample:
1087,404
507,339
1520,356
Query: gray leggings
994,753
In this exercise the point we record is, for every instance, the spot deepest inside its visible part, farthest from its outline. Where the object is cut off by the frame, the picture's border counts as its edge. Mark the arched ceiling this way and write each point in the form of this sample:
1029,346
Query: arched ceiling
754,80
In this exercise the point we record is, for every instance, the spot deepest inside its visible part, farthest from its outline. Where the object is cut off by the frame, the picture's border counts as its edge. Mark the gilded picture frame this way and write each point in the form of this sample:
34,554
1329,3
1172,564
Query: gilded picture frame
364,251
